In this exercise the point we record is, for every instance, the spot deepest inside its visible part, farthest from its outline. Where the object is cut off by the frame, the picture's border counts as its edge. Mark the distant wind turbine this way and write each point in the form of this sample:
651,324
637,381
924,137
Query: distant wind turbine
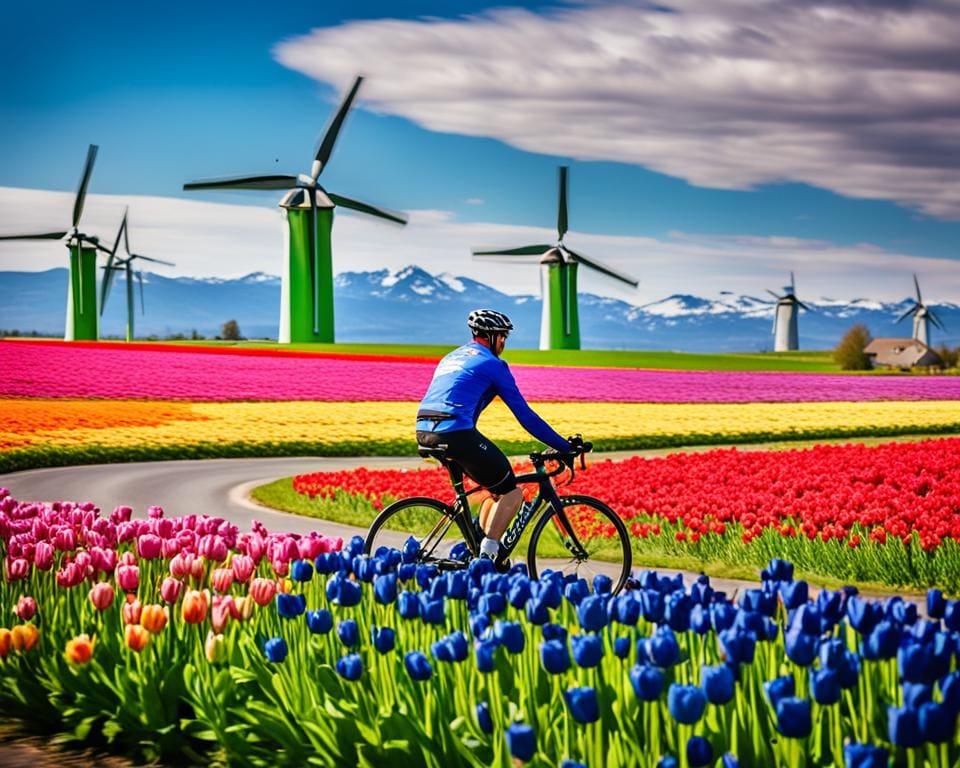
559,320
785,336
923,316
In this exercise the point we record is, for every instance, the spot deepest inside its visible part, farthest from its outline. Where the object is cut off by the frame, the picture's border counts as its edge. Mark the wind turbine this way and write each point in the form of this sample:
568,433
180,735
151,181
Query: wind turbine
82,314
559,320
306,302
125,265
922,317
785,318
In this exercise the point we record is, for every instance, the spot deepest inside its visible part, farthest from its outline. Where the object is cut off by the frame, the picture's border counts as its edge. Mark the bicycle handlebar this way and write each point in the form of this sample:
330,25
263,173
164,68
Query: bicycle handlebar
566,459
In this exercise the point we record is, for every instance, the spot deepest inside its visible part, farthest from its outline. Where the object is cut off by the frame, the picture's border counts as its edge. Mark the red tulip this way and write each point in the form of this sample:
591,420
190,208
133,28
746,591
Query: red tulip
102,596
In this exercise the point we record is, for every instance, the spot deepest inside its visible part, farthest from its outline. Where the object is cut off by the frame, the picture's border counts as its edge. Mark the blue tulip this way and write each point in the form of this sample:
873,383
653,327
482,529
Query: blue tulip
863,615
493,604
350,667
777,570
699,752
937,722
483,717
627,610
320,622
759,601
554,632
647,682
825,686
751,621
936,604
881,642
583,705
702,594
433,611
662,647
924,631
457,585
521,741
568,763
385,588
575,591
730,760
602,584
275,649
549,592
384,639
554,656
831,653
865,756
592,613
794,719
904,727
806,618
519,593
322,563
915,694
652,606
950,690
718,683
780,688
621,647
510,635
670,584
365,568
849,672
587,650
794,594
453,647
738,646
408,604
418,666
677,611
348,632
479,624
407,571
668,761
801,648
485,651
686,703
537,612
301,570
349,593
700,619
913,661
290,606
354,546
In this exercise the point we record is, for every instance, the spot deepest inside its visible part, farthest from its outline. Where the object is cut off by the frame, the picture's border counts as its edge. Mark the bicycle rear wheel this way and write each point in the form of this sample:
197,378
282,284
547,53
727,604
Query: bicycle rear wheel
604,543
434,524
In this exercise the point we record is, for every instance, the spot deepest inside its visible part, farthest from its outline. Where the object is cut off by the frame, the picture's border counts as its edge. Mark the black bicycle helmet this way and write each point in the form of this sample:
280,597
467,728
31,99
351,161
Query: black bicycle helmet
486,321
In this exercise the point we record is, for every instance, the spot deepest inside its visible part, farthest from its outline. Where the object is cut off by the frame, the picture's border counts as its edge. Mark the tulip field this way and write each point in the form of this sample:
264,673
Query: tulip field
92,403
186,640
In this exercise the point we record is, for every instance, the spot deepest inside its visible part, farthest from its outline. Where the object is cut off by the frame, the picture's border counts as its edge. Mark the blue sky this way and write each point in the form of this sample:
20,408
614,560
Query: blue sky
758,127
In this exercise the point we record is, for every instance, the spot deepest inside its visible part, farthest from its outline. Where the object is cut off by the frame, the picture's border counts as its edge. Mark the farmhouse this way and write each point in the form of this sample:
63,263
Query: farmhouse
901,353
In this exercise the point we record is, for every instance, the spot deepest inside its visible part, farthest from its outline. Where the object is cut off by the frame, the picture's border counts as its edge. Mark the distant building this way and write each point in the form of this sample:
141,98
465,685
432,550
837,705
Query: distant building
901,353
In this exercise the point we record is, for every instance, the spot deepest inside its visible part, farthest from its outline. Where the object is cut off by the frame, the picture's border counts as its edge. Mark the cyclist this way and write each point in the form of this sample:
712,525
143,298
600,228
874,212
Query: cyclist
464,383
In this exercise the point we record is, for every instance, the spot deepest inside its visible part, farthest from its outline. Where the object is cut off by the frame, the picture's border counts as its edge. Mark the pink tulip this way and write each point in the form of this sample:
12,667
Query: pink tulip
164,528
121,515
128,558
222,611
280,567
171,548
84,562
102,596
104,560
149,547
154,512
221,580
26,608
43,555
170,590
65,540
180,565
243,567
69,576
128,577
197,568
213,548
131,611
263,590
256,547
17,569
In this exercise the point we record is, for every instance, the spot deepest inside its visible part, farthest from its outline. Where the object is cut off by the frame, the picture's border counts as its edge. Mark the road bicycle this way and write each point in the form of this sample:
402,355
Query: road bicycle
571,534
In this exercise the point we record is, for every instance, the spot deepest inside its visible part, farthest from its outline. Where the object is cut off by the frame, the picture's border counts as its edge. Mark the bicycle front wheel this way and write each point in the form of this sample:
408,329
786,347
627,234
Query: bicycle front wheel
434,524
587,538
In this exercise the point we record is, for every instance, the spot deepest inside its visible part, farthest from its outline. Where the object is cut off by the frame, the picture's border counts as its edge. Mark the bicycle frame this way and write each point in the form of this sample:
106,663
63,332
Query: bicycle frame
547,502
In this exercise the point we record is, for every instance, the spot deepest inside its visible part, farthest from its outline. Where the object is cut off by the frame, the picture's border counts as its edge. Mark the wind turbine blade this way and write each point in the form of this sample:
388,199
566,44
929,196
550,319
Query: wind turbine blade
120,233
526,250
43,236
330,135
609,271
793,283
803,306
562,207
105,285
150,259
356,205
935,319
126,233
916,284
275,182
84,181
775,295
909,312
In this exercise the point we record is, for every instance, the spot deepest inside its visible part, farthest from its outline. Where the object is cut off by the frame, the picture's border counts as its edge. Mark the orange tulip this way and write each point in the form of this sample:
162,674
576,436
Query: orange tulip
153,618
136,636
79,650
194,607
6,642
24,637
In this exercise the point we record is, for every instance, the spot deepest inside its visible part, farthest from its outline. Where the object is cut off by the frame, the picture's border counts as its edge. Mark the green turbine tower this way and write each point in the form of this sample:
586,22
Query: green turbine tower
117,265
559,320
82,317
306,301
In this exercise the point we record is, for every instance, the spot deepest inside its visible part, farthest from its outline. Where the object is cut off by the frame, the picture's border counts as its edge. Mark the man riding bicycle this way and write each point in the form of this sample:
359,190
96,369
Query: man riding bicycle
464,383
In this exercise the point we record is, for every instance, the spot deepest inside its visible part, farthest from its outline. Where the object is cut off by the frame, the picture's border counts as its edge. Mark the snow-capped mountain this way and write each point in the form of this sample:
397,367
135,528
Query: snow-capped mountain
410,305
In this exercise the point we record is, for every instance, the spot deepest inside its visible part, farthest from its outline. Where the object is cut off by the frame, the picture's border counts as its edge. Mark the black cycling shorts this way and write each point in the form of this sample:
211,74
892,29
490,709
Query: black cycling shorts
477,455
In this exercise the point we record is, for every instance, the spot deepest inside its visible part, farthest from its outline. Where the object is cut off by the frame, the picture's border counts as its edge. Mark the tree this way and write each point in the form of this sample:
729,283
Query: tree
949,356
849,354
230,331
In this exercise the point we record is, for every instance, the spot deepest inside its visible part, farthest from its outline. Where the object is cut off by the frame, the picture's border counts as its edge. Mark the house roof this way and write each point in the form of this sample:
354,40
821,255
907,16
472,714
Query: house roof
901,352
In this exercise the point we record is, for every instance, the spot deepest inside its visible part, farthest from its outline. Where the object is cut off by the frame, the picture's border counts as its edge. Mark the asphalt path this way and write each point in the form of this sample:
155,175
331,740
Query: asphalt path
219,488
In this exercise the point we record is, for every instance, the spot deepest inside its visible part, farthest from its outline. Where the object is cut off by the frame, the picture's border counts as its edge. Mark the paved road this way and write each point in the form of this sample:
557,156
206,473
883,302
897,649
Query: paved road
218,487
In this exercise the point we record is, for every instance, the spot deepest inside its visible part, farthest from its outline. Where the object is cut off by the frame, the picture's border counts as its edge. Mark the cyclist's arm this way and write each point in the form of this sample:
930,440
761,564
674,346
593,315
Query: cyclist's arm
528,418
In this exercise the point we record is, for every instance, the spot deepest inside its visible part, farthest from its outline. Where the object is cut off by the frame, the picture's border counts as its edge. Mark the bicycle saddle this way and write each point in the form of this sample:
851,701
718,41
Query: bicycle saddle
438,452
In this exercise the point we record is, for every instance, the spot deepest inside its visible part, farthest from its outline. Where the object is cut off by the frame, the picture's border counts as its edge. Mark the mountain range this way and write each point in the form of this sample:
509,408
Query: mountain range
412,306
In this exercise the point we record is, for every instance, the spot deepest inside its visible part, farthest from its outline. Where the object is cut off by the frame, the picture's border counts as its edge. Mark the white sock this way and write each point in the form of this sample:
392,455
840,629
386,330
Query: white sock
489,547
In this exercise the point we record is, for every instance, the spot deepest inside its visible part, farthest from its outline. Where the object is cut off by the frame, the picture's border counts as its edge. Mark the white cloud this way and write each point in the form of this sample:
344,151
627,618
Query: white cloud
210,239
859,97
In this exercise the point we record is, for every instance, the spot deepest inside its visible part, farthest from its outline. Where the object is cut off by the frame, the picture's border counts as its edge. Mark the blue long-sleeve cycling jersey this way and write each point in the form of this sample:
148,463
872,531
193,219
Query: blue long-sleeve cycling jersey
466,381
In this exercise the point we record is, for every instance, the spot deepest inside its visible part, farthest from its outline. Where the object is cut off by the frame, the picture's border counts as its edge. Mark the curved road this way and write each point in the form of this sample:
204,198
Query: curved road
217,487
